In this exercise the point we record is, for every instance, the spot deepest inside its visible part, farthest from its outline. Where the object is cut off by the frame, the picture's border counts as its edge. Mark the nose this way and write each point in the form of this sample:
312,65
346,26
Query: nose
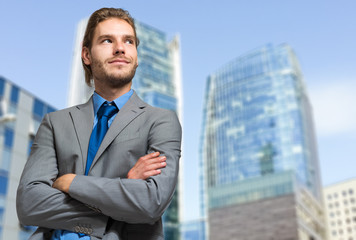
119,49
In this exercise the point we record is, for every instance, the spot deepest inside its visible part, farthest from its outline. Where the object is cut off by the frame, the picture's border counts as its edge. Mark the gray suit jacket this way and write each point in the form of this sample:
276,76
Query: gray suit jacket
104,204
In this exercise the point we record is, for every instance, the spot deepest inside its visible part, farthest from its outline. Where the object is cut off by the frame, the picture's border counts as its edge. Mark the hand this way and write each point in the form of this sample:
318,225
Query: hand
63,183
147,166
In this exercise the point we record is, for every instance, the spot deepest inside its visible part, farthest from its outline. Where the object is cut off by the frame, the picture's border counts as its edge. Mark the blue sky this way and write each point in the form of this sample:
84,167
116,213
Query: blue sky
36,44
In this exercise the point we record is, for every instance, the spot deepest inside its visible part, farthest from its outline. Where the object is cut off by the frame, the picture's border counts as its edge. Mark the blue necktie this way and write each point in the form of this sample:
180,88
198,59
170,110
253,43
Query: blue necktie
106,111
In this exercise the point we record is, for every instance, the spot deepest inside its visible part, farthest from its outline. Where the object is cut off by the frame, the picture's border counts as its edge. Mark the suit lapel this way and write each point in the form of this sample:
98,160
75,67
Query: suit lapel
83,118
131,110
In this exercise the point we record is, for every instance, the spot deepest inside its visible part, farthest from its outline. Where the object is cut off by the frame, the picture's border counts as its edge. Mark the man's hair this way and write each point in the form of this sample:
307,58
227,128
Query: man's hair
97,17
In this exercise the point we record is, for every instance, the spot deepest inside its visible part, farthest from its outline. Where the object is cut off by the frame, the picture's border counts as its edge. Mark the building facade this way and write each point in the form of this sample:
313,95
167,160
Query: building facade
258,149
340,205
157,81
20,116
193,230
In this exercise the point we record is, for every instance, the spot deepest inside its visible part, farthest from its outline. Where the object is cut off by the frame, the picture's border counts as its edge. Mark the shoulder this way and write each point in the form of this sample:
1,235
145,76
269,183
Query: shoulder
164,120
161,113
151,111
59,115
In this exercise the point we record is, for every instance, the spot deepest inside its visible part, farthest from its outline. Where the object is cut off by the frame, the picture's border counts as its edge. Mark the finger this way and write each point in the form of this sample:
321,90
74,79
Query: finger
156,160
144,162
149,156
155,166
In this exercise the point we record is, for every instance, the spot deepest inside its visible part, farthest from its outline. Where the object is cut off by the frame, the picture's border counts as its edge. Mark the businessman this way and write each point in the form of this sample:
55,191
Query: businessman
106,169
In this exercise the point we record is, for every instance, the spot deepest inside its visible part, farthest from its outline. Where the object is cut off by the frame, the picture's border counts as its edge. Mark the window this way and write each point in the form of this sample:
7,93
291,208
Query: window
38,109
3,185
2,87
9,137
50,109
14,97
1,216
6,160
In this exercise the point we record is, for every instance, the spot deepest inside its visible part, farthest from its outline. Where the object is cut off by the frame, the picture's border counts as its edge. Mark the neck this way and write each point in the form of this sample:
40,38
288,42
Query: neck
110,94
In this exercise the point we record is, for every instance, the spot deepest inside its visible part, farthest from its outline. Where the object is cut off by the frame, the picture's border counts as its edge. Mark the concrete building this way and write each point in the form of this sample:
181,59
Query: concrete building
157,81
20,116
340,207
260,169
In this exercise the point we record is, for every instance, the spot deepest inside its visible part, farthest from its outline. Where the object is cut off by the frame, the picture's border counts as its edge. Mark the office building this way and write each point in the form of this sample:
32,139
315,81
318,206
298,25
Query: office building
193,230
157,82
340,205
20,116
260,170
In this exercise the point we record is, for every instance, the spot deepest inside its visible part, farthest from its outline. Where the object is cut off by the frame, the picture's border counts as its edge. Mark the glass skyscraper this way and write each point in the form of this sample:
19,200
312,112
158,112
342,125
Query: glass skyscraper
157,81
258,140
193,230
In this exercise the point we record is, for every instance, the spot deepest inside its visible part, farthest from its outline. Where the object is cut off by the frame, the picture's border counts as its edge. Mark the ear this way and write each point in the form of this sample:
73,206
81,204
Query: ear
86,56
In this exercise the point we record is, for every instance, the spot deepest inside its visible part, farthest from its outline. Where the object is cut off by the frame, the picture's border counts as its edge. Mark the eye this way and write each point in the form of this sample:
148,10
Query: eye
107,41
129,41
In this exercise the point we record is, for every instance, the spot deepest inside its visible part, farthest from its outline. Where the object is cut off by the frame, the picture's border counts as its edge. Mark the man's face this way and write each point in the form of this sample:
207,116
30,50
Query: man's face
113,55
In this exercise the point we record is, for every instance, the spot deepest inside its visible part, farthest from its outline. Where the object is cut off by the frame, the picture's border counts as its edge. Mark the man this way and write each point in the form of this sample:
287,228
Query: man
81,182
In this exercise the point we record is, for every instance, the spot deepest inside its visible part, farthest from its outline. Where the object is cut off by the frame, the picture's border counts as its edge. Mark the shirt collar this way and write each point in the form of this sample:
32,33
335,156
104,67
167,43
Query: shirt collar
119,102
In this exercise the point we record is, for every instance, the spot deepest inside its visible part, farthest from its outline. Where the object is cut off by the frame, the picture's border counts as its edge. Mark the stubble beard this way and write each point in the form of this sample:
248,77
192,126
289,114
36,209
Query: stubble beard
112,80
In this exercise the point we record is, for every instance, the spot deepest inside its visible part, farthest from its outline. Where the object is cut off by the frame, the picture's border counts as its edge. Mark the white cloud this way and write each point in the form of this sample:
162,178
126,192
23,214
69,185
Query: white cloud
334,107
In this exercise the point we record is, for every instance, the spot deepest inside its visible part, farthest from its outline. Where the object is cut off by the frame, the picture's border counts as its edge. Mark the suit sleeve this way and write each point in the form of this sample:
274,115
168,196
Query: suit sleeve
135,200
39,204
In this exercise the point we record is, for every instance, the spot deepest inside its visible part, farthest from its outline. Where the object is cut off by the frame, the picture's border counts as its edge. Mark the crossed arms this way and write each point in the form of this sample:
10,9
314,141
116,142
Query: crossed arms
146,166
53,200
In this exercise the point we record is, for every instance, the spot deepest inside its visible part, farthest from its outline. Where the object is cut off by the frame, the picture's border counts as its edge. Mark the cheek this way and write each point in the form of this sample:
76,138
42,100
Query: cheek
135,60
100,53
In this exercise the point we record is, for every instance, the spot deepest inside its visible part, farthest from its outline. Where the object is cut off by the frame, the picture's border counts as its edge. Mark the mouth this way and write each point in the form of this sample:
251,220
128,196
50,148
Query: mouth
119,61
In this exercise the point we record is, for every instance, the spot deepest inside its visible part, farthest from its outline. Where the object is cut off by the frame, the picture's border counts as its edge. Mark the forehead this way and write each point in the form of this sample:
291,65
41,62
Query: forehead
113,26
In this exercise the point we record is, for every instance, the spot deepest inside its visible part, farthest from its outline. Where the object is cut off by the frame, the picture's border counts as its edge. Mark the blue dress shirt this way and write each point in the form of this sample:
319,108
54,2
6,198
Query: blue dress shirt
97,102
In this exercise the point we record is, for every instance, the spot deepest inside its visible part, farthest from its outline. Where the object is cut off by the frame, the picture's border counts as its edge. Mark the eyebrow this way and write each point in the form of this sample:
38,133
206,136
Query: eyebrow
126,36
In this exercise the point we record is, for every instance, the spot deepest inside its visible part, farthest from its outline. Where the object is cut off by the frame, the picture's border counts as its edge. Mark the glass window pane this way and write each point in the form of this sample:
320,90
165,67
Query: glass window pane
14,94
9,137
